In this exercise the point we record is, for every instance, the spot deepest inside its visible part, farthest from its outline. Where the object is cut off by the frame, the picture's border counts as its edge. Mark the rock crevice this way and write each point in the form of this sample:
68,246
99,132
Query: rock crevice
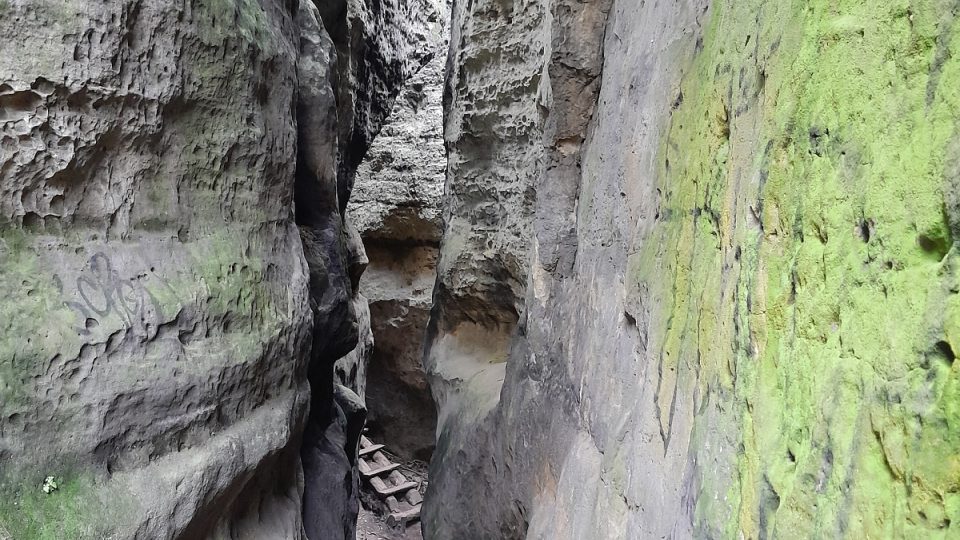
175,263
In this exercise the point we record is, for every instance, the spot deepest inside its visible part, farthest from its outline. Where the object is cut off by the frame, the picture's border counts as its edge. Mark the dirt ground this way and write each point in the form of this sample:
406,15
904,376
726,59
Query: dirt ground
370,526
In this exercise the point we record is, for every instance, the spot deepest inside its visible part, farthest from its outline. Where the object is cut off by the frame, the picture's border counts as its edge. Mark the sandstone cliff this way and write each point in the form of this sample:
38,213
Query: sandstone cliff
698,271
174,261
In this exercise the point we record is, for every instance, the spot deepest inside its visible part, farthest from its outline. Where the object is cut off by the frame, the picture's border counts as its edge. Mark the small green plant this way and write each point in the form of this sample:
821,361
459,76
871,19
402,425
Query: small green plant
49,485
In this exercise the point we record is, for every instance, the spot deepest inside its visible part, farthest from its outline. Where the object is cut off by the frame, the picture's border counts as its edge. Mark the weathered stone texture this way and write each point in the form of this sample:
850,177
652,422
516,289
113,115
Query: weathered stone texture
154,314
380,44
739,316
493,130
163,303
376,46
399,283
396,206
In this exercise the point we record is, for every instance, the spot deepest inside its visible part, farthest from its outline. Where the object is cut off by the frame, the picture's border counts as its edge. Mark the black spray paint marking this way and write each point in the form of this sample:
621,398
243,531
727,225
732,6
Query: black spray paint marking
103,292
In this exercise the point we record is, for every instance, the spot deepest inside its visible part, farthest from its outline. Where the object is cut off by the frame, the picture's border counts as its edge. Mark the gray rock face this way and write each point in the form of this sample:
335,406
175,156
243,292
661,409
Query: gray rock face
399,282
399,184
396,206
330,481
493,133
527,303
380,44
531,408
164,304
377,44
155,324
725,325
556,441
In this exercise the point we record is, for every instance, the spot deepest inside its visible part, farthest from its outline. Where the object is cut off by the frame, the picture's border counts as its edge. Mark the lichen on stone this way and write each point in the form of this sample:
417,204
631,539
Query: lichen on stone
806,229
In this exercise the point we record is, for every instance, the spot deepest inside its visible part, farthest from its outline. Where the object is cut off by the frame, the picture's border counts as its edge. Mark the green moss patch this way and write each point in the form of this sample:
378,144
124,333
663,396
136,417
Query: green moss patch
806,264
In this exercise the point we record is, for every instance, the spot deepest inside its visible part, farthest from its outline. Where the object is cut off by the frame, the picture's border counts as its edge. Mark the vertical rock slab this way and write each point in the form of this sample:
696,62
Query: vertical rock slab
746,327
330,482
155,320
493,130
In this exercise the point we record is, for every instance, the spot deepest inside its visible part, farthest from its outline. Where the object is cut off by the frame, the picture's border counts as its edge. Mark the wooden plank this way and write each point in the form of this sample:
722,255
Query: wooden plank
396,477
378,471
381,459
402,518
414,497
393,489
378,484
370,449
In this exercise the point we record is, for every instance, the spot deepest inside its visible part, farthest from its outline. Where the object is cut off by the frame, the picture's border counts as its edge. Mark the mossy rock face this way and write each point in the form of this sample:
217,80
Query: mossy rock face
806,181
815,155
75,508
763,306
153,283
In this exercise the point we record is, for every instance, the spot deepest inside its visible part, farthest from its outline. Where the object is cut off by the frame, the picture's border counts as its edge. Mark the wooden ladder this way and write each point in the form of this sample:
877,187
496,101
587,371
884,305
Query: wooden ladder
401,495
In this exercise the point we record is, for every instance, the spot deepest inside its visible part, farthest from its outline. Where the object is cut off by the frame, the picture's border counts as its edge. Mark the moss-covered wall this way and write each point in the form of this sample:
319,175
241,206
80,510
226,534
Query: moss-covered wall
805,255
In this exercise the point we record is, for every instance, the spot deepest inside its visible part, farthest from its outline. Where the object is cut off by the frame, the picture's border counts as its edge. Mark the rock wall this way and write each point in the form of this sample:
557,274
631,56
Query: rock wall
396,206
737,304
175,265
493,127
154,329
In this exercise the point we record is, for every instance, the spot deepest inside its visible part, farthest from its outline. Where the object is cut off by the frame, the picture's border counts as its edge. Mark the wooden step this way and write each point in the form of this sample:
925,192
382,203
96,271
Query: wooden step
381,459
367,471
370,449
391,490
401,495
402,518
413,497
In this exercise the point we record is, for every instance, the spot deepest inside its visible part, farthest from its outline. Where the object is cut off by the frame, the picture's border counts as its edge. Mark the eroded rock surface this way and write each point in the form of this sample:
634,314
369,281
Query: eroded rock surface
175,264
378,45
155,324
396,206
735,292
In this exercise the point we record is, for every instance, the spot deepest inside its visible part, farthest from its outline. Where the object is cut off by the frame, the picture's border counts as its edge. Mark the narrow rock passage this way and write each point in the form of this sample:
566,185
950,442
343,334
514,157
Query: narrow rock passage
395,205
618,269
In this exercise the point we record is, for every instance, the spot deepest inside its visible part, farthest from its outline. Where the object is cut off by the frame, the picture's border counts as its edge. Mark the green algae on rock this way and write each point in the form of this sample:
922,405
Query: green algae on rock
819,202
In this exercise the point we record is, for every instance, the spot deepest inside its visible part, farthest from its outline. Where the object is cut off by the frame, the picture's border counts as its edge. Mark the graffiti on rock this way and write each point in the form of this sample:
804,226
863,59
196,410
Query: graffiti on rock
102,293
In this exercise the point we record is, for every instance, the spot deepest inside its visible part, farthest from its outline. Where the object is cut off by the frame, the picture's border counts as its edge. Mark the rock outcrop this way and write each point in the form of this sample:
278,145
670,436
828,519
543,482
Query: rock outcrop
395,204
175,264
715,244
155,319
